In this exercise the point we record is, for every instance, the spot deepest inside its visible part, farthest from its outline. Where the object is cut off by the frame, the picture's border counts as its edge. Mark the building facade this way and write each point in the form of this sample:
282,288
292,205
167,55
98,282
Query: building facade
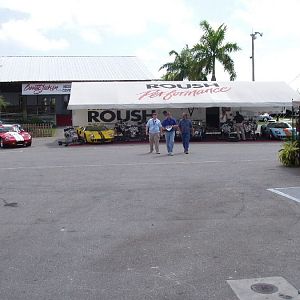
37,88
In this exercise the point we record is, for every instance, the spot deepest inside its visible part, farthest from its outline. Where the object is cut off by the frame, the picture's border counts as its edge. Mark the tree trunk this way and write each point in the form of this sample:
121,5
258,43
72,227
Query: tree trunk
213,75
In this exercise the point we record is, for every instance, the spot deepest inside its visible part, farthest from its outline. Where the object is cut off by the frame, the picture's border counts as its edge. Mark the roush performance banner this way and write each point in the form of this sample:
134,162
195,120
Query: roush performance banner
178,94
46,88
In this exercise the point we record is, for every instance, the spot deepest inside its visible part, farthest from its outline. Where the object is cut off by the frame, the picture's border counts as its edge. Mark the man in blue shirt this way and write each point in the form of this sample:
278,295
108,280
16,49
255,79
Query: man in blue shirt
154,130
186,129
169,126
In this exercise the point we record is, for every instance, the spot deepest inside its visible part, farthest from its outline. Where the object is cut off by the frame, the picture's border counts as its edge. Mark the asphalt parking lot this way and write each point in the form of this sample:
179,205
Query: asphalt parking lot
114,222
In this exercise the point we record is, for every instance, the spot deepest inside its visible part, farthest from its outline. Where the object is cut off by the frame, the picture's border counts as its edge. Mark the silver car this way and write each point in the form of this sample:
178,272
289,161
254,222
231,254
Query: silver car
264,117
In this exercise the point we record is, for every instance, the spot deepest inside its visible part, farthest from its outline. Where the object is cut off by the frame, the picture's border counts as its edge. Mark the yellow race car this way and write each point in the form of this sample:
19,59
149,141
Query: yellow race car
96,134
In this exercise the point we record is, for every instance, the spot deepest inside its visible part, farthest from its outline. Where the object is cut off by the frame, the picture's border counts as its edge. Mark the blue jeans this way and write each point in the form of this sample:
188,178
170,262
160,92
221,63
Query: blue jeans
186,140
170,136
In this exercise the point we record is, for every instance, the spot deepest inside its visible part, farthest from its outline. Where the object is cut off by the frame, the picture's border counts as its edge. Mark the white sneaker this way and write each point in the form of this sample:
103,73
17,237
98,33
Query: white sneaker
171,154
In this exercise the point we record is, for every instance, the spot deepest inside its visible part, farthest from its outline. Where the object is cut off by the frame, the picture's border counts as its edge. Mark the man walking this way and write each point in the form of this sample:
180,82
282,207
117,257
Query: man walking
239,125
186,129
169,126
154,130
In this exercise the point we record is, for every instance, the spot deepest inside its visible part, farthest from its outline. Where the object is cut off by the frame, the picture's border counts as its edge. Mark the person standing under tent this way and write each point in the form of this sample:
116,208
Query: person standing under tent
239,125
186,129
223,117
154,130
169,126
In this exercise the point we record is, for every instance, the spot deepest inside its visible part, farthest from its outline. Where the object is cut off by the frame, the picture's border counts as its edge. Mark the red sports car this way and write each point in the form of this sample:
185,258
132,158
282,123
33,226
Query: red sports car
14,135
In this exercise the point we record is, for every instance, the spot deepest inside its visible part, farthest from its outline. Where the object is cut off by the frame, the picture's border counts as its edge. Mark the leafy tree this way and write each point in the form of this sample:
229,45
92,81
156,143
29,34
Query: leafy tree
184,67
211,48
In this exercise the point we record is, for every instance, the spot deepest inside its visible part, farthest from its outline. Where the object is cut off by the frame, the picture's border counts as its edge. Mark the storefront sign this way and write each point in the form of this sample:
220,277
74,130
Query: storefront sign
46,88
113,116
169,91
85,117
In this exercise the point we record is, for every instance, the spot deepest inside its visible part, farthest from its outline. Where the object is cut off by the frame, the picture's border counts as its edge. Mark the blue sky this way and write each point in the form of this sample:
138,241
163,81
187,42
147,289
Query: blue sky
151,29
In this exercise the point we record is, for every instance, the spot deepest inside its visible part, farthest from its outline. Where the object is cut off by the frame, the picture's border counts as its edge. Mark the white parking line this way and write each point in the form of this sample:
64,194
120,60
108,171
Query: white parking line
111,165
277,191
129,164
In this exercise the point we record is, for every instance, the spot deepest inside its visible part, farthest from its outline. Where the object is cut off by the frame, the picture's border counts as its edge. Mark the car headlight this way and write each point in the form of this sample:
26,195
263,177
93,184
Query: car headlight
9,138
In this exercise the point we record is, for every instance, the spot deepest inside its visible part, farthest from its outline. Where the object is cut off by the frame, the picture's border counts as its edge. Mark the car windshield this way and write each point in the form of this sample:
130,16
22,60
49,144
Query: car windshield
8,128
279,125
95,128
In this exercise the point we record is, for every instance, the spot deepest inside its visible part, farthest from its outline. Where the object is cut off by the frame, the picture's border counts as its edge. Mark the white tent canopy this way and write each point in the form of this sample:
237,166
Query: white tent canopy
179,94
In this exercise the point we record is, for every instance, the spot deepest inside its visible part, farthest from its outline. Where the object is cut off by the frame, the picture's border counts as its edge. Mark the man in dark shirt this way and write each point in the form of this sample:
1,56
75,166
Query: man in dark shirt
239,126
186,129
169,126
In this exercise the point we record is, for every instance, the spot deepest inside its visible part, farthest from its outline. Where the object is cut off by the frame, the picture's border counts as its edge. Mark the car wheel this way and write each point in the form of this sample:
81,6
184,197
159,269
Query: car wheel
28,145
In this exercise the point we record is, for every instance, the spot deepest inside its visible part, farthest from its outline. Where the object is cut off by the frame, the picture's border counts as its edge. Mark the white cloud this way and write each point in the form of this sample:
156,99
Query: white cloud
277,51
93,19
91,35
155,55
279,19
27,36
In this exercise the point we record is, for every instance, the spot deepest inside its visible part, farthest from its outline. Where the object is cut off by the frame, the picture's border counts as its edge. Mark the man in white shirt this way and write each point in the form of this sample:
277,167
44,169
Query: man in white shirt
154,130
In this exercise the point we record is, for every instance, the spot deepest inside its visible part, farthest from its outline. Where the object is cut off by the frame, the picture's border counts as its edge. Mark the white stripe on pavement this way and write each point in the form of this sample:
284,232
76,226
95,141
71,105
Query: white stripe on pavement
129,164
276,191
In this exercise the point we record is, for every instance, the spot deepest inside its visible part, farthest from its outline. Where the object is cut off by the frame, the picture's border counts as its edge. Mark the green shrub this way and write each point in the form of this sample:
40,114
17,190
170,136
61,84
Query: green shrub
290,153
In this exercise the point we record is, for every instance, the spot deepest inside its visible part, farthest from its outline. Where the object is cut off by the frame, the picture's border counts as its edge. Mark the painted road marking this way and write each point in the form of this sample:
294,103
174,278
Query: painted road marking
284,290
108,165
168,163
292,193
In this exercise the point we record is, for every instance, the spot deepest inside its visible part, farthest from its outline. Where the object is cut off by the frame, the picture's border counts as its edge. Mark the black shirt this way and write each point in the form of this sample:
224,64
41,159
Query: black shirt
238,119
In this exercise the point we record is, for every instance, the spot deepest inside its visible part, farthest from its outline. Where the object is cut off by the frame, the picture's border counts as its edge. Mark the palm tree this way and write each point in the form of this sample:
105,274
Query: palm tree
184,67
211,49
198,69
